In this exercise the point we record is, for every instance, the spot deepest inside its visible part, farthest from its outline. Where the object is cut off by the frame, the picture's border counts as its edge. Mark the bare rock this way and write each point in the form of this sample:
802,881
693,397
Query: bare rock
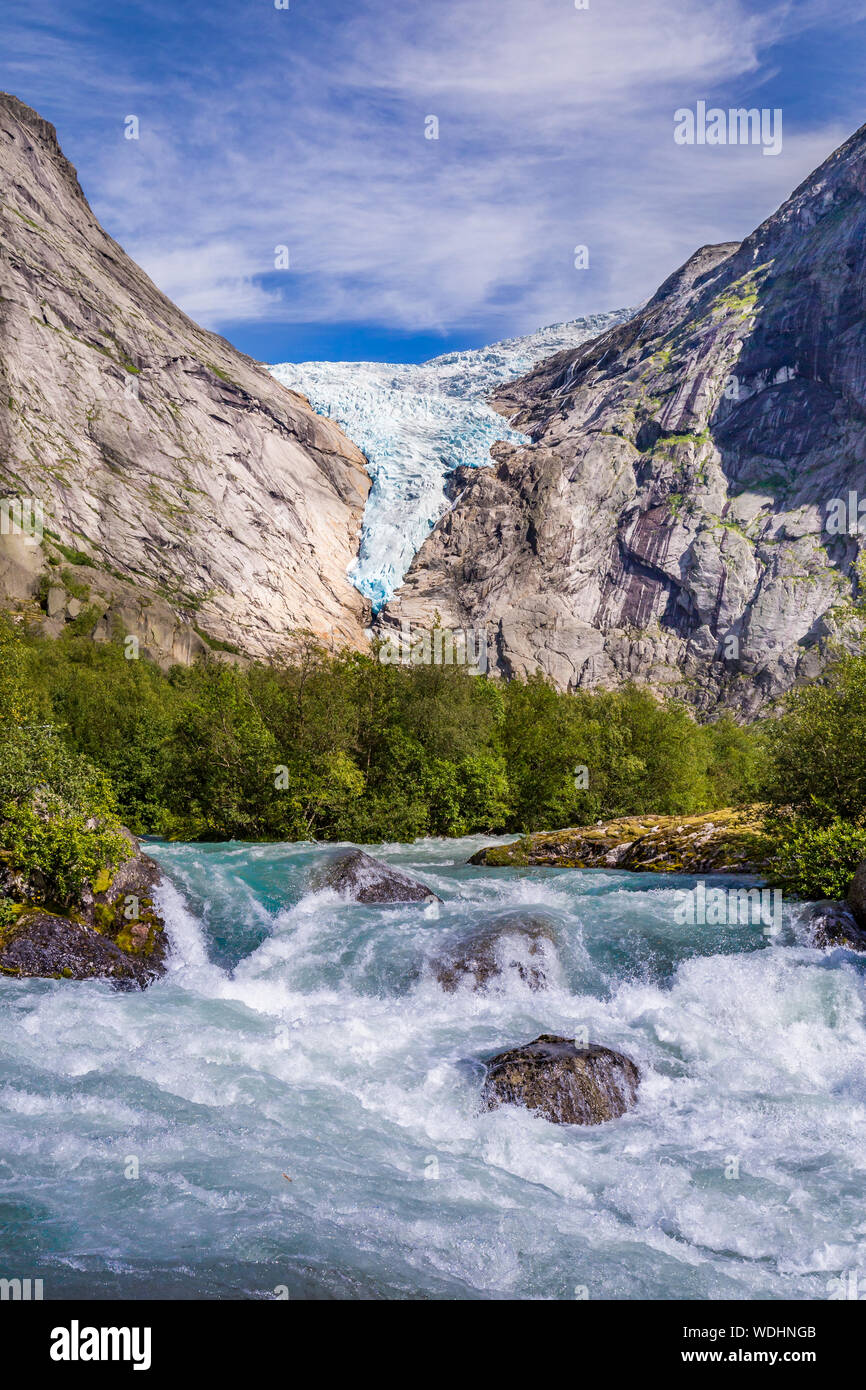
569,1085
363,879
194,493
668,523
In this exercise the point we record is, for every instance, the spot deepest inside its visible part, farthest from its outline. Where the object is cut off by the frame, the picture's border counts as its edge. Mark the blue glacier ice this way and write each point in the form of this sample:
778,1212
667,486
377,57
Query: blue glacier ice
416,423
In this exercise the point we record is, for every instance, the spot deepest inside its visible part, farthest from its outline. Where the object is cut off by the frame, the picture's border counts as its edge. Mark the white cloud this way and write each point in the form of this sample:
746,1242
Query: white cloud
556,128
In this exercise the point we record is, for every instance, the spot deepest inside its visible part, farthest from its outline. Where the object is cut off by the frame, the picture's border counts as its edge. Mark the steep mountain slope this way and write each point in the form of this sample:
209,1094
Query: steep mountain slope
669,520
204,494
416,424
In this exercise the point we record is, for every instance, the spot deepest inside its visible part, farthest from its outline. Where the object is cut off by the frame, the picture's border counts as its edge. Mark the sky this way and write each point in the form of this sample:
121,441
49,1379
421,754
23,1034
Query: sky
308,127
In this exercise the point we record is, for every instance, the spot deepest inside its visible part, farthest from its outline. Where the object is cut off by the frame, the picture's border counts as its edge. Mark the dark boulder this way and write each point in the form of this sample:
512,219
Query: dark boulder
40,943
362,879
508,943
857,895
569,1085
831,923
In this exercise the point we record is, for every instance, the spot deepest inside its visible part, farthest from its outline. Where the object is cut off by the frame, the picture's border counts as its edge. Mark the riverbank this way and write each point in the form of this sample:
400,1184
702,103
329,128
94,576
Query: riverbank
730,841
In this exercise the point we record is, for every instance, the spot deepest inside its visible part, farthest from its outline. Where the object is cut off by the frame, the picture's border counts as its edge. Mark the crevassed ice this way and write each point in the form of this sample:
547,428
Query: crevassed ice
418,422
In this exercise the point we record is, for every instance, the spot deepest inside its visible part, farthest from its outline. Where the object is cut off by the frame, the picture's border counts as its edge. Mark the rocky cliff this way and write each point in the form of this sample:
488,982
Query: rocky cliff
189,499
673,519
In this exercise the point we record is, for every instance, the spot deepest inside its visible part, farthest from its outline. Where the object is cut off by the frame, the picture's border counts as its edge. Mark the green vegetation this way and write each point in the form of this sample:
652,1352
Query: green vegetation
58,817
347,747
815,780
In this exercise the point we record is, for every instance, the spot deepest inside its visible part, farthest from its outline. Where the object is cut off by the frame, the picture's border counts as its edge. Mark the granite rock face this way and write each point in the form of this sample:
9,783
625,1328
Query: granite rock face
671,521
199,499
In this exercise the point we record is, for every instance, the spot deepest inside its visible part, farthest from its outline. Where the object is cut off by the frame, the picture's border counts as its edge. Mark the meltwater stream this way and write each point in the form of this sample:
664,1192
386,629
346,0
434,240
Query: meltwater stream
298,1035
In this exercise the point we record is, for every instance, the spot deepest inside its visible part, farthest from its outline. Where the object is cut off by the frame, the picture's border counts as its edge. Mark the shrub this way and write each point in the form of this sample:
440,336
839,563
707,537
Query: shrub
817,861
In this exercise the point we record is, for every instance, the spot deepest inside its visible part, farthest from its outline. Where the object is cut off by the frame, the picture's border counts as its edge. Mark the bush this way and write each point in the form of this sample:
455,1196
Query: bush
58,821
818,861
816,749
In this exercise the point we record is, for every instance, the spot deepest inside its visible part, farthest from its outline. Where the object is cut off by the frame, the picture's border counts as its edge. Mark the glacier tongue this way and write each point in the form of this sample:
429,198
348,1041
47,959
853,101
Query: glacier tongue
416,423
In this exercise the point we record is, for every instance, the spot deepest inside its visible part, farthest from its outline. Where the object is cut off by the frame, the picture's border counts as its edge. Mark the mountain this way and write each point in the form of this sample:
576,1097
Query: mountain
416,424
185,491
674,518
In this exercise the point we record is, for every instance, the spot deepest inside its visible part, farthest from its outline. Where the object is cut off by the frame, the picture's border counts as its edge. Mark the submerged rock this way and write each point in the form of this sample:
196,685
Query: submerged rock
114,932
510,942
363,879
569,1085
857,895
833,923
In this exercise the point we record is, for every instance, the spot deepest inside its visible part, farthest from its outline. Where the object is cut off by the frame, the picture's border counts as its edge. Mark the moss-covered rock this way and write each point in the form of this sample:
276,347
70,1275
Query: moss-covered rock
727,841
44,944
113,932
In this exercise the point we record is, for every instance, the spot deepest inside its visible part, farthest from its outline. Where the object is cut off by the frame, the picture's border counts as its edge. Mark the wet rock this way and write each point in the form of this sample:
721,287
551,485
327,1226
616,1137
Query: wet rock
114,931
857,895
363,879
569,1085
510,943
833,923
44,944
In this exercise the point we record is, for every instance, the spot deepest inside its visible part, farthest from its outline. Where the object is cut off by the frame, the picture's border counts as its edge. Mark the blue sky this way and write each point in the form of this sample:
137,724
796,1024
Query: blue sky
305,127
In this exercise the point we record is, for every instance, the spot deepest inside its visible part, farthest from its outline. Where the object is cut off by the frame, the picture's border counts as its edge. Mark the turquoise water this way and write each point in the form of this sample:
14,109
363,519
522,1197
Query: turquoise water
297,1034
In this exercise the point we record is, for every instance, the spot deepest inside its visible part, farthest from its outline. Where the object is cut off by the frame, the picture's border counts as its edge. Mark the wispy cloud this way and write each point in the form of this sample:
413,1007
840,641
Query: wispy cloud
306,128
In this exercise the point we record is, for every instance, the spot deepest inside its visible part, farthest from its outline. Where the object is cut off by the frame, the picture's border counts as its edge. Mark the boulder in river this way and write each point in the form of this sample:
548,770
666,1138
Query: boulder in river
569,1085
511,942
832,924
363,879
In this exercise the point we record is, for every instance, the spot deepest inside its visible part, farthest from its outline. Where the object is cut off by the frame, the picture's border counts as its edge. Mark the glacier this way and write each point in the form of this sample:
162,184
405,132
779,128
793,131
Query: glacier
418,422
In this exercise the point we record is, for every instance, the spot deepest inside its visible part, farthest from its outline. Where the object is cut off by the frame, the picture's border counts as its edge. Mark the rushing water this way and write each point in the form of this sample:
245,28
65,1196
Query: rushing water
298,1035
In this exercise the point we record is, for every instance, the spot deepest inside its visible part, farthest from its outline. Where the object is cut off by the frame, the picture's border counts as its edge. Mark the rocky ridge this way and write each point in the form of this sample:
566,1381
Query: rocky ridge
669,522
189,499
